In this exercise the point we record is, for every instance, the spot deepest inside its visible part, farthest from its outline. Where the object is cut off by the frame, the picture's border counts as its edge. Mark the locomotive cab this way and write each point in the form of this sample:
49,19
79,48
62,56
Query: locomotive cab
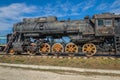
104,24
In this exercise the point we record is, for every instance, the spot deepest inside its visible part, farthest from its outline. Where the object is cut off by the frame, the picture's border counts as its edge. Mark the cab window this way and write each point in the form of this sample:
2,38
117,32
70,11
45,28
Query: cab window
108,22
100,22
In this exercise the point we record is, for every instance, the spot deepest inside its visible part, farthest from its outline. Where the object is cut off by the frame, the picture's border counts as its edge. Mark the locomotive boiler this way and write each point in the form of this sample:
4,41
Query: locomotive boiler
89,35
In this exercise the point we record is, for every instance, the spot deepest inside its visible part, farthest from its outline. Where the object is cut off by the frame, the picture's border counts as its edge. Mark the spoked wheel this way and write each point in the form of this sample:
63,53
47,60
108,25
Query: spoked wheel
71,48
44,49
57,48
30,52
11,51
89,49
32,49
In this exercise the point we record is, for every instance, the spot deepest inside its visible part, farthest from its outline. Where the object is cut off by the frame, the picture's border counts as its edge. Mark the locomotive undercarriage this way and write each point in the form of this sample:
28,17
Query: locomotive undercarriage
86,45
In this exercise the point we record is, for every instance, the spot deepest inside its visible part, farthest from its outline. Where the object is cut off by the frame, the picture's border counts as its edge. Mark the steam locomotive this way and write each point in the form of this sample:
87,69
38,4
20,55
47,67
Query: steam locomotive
101,33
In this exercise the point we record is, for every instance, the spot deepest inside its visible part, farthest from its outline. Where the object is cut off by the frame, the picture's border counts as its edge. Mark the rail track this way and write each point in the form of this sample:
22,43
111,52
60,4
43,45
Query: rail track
63,55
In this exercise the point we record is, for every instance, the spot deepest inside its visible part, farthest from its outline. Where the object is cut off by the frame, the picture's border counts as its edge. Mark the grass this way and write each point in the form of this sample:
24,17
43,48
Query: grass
82,62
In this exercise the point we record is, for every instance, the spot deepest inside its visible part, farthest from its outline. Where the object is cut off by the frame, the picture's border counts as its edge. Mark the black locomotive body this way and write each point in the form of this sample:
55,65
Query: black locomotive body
90,35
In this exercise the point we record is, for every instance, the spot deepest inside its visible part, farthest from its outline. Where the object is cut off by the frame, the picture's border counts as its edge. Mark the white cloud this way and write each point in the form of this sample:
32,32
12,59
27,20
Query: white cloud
88,4
113,7
66,8
116,11
11,13
15,10
4,26
83,6
116,4
102,6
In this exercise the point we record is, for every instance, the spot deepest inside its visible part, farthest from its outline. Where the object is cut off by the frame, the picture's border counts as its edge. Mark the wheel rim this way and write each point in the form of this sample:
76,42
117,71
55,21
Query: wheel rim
57,47
89,49
71,48
45,48
31,52
11,52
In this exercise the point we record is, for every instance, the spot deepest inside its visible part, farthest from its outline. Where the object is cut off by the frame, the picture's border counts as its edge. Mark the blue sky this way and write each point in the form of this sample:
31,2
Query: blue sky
12,11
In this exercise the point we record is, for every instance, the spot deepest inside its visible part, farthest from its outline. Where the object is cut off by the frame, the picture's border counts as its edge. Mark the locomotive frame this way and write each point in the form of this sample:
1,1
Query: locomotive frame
89,36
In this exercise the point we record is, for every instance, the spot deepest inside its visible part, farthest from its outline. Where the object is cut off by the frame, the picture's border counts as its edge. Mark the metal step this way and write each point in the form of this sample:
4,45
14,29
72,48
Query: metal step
117,44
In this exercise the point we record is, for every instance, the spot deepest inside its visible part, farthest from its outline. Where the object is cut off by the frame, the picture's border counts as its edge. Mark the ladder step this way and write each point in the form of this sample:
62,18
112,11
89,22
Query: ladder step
117,44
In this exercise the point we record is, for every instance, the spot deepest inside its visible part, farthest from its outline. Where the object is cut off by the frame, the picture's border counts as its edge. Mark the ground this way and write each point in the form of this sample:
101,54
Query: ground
95,62
8,73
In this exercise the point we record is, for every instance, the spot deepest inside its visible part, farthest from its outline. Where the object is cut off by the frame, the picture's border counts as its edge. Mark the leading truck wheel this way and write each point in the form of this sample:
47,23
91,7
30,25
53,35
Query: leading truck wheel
44,48
57,48
89,49
30,52
11,51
